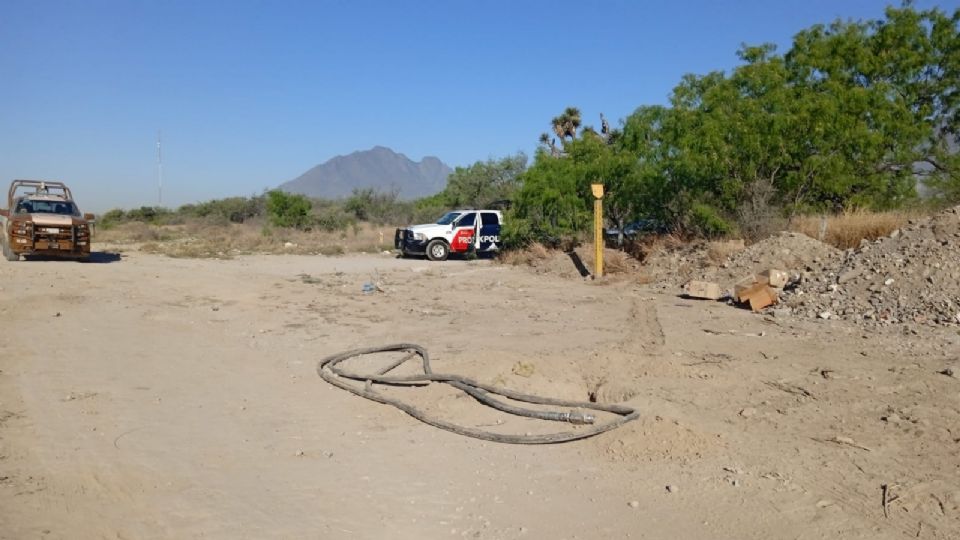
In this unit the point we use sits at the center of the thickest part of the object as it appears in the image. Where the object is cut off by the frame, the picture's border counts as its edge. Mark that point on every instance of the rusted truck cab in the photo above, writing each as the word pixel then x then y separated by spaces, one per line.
pixel 42 218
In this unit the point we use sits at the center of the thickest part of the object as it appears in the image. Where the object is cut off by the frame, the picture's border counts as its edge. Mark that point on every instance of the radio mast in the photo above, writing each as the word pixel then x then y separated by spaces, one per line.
pixel 159 172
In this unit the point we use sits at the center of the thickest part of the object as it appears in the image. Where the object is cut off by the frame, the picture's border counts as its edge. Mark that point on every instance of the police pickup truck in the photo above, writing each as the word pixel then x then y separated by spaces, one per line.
pixel 459 231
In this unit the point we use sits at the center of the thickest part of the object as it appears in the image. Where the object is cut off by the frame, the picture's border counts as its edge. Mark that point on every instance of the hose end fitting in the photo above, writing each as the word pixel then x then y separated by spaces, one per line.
pixel 579 418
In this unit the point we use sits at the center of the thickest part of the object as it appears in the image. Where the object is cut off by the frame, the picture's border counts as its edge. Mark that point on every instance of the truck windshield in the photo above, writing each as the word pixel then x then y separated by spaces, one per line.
pixel 46 207
pixel 448 218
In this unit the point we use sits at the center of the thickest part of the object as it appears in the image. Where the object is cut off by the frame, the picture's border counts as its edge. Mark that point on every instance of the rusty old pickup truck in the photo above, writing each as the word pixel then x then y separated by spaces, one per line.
pixel 42 218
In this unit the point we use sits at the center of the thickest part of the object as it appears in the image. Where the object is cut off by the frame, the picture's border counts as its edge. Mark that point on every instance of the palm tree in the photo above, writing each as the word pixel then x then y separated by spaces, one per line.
pixel 559 126
pixel 571 115
pixel 566 124
pixel 551 143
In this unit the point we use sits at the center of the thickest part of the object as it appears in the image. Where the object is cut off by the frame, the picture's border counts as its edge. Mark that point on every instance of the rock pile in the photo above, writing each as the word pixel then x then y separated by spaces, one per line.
pixel 793 252
pixel 912 276
pixel 671 266
pixel 790 251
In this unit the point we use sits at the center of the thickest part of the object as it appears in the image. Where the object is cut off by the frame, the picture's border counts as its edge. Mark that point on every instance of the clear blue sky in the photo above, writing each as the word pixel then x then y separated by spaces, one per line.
pixel 250 94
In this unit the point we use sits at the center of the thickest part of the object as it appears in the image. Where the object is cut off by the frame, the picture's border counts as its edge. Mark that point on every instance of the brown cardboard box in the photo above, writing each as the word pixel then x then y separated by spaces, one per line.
pixel 759 296
pixel 775 278
pixel 706 290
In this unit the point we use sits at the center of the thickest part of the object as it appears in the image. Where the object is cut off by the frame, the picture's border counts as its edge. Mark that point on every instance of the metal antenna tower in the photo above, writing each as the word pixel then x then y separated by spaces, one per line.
pixel 159 172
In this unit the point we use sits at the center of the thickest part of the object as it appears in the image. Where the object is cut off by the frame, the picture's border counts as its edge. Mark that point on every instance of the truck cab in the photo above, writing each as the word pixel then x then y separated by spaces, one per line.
pixel 458 231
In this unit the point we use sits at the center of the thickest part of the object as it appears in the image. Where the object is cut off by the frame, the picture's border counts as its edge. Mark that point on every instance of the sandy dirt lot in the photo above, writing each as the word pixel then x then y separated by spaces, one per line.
pixel 150 397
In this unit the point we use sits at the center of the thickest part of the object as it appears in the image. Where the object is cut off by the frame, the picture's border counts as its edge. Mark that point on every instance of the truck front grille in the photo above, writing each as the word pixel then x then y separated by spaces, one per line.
pixel 63 238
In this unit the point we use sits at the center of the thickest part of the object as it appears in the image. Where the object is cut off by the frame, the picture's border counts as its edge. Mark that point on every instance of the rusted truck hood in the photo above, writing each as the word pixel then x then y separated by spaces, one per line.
pixel 52 220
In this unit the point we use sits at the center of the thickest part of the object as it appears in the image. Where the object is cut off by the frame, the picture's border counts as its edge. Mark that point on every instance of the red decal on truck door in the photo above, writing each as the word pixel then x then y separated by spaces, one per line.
pixel 462 240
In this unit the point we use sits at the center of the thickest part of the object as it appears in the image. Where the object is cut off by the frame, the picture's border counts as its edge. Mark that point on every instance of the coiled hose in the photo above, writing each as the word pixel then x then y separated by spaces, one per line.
pixel 328 369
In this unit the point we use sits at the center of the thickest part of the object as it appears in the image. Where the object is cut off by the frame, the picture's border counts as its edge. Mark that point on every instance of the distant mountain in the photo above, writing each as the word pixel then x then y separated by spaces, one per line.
pixel 380 168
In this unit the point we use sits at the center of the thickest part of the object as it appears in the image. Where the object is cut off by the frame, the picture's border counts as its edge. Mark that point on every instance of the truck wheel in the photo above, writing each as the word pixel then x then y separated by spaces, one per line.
pixel 437 250
pixel 8 253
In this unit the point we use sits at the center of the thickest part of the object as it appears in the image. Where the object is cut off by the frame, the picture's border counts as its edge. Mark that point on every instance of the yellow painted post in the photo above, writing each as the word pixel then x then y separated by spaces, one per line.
pixel 597 190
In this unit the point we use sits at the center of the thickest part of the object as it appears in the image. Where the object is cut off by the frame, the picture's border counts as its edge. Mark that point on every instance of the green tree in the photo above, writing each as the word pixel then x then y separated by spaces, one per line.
pixel 380 207
pixel 288 209
pixel 232 209
pixel 555 201
pixel 484 182
pixel 851 116
pixel 550 206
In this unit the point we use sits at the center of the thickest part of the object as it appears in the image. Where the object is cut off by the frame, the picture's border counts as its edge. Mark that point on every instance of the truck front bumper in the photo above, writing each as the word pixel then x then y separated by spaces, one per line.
pixel 405 243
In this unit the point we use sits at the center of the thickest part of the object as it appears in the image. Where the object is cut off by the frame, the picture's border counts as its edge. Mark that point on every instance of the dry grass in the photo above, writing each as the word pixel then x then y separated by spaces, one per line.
pixel 719 251
pixel 614 261
pixel 202 239
pixel 617 262
pixel 644 247
pixel 846 230
pixel 528 256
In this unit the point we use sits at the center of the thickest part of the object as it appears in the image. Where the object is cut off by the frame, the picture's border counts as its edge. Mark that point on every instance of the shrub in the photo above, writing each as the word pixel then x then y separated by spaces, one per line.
pixel 706 221
pixel 231 209
pixel 288 210
pixel 333 218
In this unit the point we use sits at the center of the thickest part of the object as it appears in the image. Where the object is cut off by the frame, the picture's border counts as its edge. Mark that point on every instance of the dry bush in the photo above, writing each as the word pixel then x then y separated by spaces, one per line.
pixel 528 256
pixel 757 217
pixel 643 247
pixel 133 232
pixel 200 238
pixel 614 261
pixel 719 251
pixel 617 262
pixel 846 230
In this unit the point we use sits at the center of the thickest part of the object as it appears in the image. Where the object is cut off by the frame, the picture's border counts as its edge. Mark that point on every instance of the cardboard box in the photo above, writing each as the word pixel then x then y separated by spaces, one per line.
pixel 759 296
pixel 706 290
pixel 775 278
pixel 743 285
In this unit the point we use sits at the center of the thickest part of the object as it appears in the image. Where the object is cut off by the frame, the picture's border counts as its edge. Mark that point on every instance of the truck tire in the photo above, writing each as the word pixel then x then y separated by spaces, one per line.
pixel 438 250
pixel 8 253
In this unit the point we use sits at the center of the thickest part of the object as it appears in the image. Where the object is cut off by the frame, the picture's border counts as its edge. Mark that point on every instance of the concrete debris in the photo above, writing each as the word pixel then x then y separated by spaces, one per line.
pixel 706 290
pixel 911 277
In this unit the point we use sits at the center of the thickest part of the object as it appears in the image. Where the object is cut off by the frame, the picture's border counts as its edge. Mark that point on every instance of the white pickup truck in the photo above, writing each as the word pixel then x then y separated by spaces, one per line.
pixel 459 231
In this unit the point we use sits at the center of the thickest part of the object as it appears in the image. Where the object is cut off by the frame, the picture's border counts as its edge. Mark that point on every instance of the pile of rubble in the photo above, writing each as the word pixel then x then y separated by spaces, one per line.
pixel 782 257
pixel 673 264
pixel 791 251
pixel 912 276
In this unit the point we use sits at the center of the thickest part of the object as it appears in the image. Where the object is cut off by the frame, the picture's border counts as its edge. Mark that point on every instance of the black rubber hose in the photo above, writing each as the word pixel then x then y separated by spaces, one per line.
pixel 327 369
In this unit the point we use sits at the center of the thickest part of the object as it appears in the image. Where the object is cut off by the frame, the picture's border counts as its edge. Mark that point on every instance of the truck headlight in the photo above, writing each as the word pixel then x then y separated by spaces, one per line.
pixel 420 237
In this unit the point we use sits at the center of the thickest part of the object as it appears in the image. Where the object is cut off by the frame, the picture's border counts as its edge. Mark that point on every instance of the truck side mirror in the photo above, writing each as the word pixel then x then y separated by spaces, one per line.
pixel 89 217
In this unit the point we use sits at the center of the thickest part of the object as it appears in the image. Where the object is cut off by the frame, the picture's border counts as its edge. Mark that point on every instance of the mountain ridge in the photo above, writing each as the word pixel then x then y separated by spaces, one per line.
pixel 380 168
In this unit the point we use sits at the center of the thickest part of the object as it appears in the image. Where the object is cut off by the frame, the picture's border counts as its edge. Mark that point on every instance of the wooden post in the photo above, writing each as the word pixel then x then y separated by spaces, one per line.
pixel 597 190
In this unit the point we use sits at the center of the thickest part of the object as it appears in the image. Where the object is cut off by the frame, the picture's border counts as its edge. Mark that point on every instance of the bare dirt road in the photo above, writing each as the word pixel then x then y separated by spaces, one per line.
pixel 151 397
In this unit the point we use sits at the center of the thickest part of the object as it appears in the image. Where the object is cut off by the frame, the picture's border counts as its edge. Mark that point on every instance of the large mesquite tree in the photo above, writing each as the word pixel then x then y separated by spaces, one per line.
pixel 854 114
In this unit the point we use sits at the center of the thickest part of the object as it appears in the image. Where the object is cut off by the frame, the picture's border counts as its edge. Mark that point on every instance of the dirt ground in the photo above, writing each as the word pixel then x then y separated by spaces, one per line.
pixel 147 397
